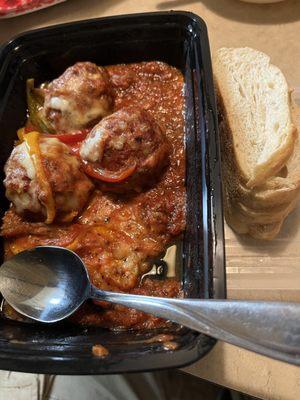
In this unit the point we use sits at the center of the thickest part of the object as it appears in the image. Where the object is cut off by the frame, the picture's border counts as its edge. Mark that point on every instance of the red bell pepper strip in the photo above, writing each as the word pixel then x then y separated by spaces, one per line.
pixel 108 176
pixel 69 138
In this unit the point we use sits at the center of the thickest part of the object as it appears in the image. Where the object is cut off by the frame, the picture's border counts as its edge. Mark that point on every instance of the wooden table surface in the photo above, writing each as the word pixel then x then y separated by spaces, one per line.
pixel 254 270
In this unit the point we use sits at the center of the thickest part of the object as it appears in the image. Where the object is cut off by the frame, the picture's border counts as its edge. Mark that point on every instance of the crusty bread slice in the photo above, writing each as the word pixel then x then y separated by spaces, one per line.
pixel 265 232
pixel 255 103
pixel 269 195
pixel 243 203
pixel 232 219
pixel 267 216
pixel 257 231
pixel 277 190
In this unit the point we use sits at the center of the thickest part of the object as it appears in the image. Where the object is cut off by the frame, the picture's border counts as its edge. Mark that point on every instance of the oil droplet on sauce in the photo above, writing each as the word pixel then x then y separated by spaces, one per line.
pixel 166 340
pixel 160 338
pixel 170 345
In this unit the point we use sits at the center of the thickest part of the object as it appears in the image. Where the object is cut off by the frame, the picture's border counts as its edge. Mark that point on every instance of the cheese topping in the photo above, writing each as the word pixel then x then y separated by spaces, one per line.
pixel 75 115
pixel 92 148
pixel 58 103
pixel 25 161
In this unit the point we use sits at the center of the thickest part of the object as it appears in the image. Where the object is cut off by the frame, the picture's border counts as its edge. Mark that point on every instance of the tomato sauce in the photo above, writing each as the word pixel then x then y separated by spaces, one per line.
pixel 117 235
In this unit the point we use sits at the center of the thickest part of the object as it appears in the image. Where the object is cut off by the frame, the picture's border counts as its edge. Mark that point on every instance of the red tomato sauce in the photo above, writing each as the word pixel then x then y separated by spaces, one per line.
pixel 117 235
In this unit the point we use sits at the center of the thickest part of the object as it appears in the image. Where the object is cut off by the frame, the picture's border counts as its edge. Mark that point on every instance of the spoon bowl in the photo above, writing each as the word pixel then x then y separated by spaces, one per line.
pixel 46 284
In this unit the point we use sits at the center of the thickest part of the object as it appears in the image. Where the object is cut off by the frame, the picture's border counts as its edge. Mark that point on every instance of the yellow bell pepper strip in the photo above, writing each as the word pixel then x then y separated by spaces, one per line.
pixel 21 133
pixel 32 142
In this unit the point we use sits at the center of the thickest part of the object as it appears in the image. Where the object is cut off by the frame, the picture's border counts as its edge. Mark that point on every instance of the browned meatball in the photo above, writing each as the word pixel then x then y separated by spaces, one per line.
pixel 79 98
pixel 59 184
pixel 127 149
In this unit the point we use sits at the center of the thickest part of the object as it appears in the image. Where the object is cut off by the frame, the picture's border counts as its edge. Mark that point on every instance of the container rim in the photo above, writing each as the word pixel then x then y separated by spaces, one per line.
pixel 49 28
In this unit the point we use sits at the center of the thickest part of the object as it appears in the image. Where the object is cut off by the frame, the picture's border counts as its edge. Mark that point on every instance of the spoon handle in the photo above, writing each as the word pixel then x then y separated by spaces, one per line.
pixel 268 328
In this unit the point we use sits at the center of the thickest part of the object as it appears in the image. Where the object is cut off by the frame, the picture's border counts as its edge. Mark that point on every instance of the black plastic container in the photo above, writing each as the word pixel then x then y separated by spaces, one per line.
pixel 180 39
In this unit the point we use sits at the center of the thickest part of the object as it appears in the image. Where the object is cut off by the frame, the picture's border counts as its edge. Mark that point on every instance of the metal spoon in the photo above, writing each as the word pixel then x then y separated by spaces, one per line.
pixel 49 283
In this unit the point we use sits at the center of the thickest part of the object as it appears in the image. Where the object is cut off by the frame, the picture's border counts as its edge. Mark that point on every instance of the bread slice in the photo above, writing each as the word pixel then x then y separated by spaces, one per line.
pixel 273 213
pixel 267 216
pixel 258 211
pixel 276 191
pixel 257 231
pixel 265 232
pixel 257 113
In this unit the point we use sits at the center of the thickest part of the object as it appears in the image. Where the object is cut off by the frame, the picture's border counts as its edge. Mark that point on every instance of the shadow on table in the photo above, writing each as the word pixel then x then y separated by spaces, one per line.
pixel 276 13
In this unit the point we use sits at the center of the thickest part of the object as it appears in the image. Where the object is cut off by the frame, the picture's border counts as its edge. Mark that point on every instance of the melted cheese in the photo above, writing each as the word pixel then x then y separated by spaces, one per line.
pixel 93 147
pixel 76 116
pixel 25 161
pixel 24 201
pixel 61 104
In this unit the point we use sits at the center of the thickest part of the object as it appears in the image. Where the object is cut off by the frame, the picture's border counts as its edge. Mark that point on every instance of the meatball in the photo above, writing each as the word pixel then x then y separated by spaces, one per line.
pixel 128 149
pixel 79 98
pixel 48 183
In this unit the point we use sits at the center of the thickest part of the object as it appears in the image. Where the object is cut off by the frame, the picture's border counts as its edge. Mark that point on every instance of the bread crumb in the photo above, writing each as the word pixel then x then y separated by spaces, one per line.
pixel 99 351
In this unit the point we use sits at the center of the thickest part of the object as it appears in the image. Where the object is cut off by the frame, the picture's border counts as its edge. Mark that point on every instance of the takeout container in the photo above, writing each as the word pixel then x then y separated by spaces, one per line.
pixel 180 39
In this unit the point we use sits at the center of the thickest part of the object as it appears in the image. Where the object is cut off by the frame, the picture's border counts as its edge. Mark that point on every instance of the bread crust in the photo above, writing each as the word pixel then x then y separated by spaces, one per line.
pixel 259 173
pixel 258 206
pixel 256 231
